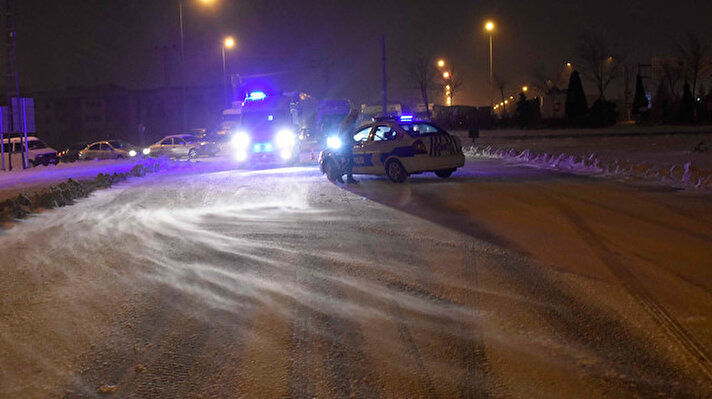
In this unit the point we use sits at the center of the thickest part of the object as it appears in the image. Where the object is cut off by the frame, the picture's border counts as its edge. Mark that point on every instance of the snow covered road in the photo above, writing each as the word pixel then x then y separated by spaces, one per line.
pixel 503 281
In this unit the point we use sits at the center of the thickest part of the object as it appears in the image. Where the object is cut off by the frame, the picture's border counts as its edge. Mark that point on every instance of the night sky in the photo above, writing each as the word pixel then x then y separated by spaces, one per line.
pixel 314 45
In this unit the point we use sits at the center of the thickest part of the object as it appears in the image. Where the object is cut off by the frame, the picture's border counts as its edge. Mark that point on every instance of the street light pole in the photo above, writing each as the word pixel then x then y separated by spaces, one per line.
pixel 229 42
pixel 489 27
pixel 182 66
pixel 224 77
pixel 491 63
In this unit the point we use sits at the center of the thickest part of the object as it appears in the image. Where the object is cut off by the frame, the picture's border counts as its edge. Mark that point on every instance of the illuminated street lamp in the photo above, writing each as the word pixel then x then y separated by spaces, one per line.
pixel 441 63
pixel 228 43
pixel 446 75
pixel 525 89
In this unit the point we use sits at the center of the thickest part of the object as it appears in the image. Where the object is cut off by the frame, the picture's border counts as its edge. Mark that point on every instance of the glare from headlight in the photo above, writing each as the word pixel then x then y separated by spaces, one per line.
pixel 132 153
pixel 146 151
pixel 286 154
pixel 333 142
pixel 285 139
pixel 241 155
pixel 240 140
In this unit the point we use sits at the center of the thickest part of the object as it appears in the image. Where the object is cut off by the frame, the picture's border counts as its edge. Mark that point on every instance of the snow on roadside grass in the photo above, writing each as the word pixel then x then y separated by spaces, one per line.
pixel 682 173
pixel 53 190
pixel 19 181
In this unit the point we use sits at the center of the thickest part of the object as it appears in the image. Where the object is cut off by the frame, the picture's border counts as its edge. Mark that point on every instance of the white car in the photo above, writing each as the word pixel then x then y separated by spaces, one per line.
pixel 39 152
pixel 396 148
pixel 181 146
pixel 108 149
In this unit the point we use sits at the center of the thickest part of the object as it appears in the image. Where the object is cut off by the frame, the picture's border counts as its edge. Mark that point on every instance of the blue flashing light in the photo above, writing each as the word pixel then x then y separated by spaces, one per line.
pixel 406 118
pixel 256 96
pixel 262 147
pixel 270 118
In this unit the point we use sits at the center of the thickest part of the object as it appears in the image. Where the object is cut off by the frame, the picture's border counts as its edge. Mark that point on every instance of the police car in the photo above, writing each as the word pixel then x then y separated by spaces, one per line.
pixel 397 148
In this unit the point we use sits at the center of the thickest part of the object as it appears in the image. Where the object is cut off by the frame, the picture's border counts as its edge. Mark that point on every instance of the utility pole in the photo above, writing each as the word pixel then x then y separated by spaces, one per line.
pixel 13 83
pixel 384 91
pixel 182 66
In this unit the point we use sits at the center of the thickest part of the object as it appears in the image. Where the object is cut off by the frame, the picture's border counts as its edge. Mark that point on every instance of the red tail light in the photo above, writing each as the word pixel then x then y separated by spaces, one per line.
pixel 419 147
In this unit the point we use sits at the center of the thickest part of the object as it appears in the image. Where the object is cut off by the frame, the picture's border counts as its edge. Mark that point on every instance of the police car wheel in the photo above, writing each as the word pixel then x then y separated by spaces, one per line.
pixel 331 170
pixel 395 171
pixel 444 173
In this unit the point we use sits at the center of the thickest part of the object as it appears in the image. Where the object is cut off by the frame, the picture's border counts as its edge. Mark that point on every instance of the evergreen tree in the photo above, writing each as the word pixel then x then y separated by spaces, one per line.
pixel 576 104
pixel 640 101
pixel 524 114
pixel 687 105
pixel 662 104
pixel 603 113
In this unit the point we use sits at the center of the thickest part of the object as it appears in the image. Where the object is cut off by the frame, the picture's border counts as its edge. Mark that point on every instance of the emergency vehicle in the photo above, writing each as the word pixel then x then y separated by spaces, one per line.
pixel 267 128
pixel 397 148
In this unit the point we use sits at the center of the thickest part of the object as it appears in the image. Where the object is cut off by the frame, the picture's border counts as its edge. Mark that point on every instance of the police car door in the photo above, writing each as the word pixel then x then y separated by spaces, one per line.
pixel 381 146
pixel 362 161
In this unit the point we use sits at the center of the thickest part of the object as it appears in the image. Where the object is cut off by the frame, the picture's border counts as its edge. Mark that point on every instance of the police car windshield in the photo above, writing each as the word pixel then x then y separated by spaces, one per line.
pixel 419 128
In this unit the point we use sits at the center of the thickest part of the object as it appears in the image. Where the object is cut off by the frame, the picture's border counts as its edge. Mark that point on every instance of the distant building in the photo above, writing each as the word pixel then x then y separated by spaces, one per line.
pixel 138 116
pixel 553 104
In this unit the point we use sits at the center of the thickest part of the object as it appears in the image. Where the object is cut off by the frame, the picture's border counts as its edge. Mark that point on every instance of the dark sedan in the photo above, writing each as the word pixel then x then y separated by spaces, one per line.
pixel 71 153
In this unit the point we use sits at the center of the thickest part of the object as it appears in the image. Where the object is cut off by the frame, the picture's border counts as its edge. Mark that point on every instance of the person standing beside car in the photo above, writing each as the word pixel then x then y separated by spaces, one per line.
pixel 347 148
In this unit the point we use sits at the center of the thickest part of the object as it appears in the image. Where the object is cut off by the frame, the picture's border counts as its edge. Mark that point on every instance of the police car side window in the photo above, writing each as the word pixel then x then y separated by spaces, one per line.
pixel 362 135
pixel 383 133
pixel 419 128
pixel 168 141
pixel 94 147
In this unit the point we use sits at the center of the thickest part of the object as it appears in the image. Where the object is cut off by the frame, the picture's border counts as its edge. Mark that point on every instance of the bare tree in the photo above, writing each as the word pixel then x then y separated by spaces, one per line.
pixel 546 80
pixel 500 83
pixel 422 74
pixel 600 63
pixel 541 80
pixel 694 57
pixel 452 82
pixel 672 78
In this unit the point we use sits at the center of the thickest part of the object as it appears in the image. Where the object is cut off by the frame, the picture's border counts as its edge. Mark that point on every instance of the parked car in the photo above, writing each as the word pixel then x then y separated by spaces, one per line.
pixel 71 153
pixel 109 149
pixel 39 152
pixel 181 146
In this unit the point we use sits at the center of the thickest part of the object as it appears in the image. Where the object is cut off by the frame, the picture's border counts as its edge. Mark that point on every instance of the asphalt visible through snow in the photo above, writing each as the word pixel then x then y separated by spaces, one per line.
pixel 501 281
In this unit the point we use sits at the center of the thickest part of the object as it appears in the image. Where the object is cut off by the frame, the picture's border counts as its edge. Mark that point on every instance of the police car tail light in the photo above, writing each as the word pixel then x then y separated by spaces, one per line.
pixel 419 147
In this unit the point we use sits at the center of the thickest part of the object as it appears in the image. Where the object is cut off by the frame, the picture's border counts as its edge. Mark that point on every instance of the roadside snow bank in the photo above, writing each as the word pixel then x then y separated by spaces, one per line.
pixel 65 193
pixel 687 173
